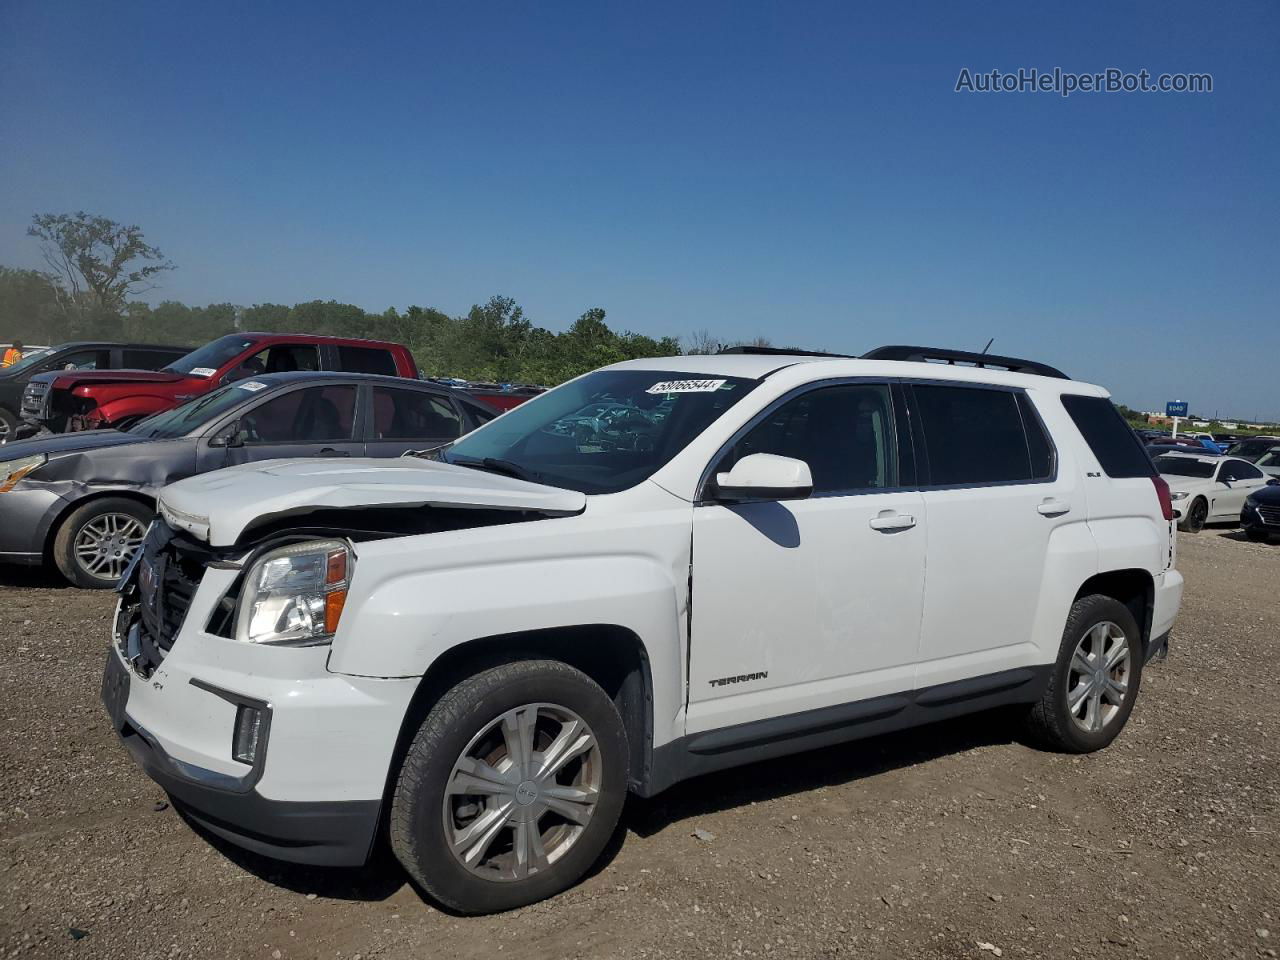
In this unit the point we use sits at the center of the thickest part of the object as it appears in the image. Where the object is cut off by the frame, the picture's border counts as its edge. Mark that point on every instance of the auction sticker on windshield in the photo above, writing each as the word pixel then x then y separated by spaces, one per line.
pixel 202 372
pixel 253 386
pixel 686 386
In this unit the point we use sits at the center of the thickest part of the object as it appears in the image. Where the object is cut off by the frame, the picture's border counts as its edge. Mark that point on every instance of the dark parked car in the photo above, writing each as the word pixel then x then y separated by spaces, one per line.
pixel 83 500
pixel 80 355
pixel 1251 448
pixel 1261 514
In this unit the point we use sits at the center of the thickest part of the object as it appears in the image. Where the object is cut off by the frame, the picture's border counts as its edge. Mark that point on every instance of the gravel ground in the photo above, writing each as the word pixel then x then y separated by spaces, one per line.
pixel 952 841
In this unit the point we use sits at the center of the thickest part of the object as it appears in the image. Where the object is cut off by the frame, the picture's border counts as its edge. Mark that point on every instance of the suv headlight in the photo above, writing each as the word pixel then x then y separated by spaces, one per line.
pixel 12 471
pixel 294 595
pixel 1179 495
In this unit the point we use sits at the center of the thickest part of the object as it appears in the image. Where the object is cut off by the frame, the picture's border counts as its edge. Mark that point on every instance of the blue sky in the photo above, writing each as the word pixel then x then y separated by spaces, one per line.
pixel 804 172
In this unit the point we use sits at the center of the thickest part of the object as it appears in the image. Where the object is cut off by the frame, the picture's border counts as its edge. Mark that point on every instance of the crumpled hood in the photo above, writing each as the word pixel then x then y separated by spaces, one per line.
pixel 217 507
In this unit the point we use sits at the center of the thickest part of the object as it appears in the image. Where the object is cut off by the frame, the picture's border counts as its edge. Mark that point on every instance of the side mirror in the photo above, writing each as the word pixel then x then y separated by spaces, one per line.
pixel 230 437
pixel 765 476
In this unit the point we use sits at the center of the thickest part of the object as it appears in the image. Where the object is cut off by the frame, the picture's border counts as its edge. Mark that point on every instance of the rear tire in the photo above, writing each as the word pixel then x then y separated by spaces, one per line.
pixel 1196 516
pixel 1094 682
pixel 483 816
pixel 96 542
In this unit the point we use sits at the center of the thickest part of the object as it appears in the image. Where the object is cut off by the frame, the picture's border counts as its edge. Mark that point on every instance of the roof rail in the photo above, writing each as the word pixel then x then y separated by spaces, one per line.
pixel 943 355
pixel 782 352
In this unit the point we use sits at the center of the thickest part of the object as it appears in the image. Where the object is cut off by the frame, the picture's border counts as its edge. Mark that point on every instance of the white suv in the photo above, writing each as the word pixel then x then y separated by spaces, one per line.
pixel 478 654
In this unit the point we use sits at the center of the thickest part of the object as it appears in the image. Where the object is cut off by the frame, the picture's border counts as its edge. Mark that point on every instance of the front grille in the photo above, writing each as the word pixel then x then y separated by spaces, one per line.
pixel 159 592
pixel 35 399
pixel 1270 515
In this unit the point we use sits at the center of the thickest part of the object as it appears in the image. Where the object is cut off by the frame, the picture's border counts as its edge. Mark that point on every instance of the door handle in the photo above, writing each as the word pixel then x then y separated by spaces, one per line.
pixel 331 452
pixel 889 521
pixel 1053 508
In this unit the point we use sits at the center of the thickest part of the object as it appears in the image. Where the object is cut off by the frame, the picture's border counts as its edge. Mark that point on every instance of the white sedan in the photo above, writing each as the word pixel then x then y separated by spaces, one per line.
pixel 1208 489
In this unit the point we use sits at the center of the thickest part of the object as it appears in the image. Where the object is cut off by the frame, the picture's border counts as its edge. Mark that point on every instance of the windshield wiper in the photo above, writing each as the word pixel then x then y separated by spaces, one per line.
pixel 495 465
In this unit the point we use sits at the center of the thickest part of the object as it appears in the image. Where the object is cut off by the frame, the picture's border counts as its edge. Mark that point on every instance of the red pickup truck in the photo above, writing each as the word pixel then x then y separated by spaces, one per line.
pixel 89 399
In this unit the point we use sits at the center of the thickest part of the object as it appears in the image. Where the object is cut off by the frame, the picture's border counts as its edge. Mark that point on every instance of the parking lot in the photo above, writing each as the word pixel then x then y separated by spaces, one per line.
pixel 945 842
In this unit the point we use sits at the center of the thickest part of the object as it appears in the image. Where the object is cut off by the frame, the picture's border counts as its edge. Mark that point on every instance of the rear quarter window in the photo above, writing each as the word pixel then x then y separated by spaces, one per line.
pixel 1113 442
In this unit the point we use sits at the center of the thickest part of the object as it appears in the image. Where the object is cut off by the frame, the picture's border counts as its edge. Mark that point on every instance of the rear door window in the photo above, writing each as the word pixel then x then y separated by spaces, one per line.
pixel 136 359
pixel 1113 442
pixel 366 360
pixel 975 435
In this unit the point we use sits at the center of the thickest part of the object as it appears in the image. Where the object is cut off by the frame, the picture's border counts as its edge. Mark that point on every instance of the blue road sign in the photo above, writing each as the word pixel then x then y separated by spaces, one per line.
pixel 1176 408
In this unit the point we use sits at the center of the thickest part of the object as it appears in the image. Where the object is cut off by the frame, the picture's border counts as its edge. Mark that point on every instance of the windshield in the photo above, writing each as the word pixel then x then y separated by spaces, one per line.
pixel 1271 458
pixel 30 358
pixel 206 361
pixel 195 413
pixel 1184 467
pixel 603 432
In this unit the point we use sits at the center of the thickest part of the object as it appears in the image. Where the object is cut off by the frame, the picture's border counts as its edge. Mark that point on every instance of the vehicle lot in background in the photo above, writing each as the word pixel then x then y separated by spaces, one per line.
pixel 86 504
pixel 920 844
pixel 1208 489
pixel 78 355
pixel 96 398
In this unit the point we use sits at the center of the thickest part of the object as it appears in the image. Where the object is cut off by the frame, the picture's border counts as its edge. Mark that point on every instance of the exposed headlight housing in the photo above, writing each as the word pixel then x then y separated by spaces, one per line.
pixel 1179 495
pixel 11 471
pixel 294 595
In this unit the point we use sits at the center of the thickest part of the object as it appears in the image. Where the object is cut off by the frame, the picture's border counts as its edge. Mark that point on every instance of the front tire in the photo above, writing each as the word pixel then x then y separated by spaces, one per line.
pixel 96 542
pixel 511 788
pixel 1196 516
pixel 8 424
pixel 1095 680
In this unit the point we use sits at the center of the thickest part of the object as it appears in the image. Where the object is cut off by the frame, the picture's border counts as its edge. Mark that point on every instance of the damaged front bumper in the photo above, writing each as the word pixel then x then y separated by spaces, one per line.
pixel 310 790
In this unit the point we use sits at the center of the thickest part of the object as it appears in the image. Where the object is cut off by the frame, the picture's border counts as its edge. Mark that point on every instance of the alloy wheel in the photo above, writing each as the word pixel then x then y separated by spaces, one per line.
pixel 104 546
pixel 522 792
pixel 1098 678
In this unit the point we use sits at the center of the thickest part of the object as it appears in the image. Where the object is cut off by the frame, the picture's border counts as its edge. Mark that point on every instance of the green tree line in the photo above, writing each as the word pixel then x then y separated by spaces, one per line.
pixel 494 340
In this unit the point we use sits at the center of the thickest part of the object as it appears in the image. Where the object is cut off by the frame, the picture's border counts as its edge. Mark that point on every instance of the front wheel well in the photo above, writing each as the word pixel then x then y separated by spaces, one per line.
pixel 70 508
pixel 611 655
pixel 1134 588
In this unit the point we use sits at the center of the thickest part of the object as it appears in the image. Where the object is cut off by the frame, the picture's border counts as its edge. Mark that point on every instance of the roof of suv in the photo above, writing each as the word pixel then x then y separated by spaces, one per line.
pixel 757 367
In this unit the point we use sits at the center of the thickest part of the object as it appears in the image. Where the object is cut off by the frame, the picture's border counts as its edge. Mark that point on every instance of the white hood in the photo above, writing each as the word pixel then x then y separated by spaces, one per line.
pixel 218 506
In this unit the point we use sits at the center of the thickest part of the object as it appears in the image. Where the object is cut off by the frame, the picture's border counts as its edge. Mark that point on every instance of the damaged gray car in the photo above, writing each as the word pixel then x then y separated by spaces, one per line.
pixel 82 501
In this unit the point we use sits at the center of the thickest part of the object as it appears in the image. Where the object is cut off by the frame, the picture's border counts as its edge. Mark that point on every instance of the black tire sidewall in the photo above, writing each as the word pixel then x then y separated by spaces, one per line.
pixel 64 542
pixel 487 696
pixel 1086 613
pixel 1194 524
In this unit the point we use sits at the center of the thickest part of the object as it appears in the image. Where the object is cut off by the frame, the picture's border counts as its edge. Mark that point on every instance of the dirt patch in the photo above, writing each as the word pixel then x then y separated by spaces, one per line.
pixel 953 841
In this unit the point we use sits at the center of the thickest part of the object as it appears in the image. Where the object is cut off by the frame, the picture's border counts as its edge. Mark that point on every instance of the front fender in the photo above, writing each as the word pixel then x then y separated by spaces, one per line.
pixel 130 408
pixel 398 625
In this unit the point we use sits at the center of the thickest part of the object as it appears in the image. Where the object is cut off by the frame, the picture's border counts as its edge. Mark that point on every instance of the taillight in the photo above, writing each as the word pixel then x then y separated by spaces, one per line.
pixel 1162 491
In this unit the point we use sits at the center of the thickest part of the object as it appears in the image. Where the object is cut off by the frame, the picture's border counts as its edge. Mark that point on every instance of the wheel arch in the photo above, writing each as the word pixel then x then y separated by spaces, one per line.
pixel 1134 587
pixel 613 656
pixel 55 525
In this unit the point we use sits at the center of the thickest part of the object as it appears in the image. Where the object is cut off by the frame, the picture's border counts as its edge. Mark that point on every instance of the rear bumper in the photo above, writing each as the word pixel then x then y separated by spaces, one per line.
pixel 1167 600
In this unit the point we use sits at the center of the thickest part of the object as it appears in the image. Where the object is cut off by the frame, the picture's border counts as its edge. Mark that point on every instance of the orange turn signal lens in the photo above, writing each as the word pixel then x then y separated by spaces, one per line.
pixel 334 601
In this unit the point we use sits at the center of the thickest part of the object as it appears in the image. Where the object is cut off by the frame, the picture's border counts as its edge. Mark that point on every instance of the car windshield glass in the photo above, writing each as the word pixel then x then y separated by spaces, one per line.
pixel 195 413
pixel 1184 467
pixel 1271 458
pixel 29 359
pixel 603 432
pixel 206 361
